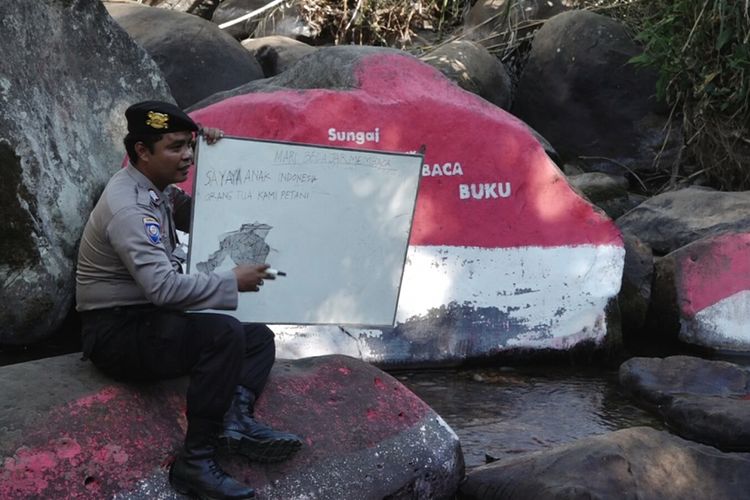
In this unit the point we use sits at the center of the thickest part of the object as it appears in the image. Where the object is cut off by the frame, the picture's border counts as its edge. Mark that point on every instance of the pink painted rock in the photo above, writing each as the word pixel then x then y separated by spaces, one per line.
pixel 711 289
pixel 504 256
pixel 68 432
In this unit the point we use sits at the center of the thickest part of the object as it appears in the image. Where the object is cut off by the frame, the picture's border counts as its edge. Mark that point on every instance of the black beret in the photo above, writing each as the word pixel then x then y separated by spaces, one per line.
pixel 157 117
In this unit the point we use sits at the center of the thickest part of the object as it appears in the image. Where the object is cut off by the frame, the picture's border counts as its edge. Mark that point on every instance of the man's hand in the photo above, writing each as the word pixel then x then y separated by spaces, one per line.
pixel 250 276
pixel 212 135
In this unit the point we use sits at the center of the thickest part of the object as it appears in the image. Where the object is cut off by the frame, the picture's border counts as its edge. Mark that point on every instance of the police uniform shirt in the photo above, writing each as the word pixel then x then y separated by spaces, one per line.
pixel 127 253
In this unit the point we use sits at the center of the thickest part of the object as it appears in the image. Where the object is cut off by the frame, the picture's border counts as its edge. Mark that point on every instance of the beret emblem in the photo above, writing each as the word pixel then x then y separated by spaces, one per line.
pixel 157 120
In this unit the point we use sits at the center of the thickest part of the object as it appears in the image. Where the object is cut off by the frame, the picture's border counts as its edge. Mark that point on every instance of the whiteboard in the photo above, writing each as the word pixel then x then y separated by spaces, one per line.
pixel 336 221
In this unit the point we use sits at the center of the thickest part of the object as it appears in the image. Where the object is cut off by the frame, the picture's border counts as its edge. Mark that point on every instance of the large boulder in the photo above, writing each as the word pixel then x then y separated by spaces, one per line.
pixel 673 219
pixel 704 293
pixel 639 462
pixel 61 132
pixel 504 257
pixel 702 400
pixel 578 90
pixel 197 58
pixel 71 433
pixel 474 69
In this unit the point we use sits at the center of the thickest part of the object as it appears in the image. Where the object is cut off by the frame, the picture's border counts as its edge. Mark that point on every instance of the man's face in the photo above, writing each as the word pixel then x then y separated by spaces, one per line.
pixel 169 162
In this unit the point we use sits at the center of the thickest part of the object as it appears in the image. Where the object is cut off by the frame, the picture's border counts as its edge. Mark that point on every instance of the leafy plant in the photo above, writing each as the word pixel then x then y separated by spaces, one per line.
pixel 701 49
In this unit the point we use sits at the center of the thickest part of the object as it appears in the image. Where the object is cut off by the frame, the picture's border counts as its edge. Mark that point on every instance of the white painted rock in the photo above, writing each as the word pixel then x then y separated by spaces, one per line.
pixel 503 254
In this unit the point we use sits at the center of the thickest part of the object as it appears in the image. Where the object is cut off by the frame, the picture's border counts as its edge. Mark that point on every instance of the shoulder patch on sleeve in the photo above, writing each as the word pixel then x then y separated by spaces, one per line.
pixel 153 230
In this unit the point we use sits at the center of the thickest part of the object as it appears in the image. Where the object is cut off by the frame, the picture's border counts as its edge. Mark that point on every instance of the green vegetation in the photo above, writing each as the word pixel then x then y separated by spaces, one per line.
pixel 701 49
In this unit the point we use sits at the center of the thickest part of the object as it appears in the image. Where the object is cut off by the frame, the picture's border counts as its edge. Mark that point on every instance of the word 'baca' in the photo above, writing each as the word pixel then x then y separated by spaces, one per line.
pixel 356 136
pixel 437 169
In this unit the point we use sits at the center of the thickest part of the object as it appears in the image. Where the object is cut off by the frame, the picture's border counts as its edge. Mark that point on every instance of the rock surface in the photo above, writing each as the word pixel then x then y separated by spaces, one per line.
pixel 635 294
pixel 276 54
pixel 706 401
pixel 197 58
pixel 503 255
pixel 474 69
pixel 578 90
pixel 77 434
pixel 633 463
pixel 671 220
pixel 705 289
pixel 61 132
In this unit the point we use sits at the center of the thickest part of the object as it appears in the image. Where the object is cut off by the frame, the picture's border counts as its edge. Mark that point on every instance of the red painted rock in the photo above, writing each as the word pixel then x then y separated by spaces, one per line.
pixel 712 287
pixel 68 432
pixel 503 254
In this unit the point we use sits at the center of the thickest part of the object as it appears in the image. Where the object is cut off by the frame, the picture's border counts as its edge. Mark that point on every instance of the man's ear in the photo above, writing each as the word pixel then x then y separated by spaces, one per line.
pixel 141 151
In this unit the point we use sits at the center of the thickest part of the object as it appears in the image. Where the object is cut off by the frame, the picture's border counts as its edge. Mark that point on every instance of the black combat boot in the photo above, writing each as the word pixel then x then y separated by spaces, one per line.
pixel 195 472
pixel 246 436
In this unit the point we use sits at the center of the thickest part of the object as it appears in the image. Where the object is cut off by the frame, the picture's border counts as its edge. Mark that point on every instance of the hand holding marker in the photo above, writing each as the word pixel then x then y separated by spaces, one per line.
pixel 275 272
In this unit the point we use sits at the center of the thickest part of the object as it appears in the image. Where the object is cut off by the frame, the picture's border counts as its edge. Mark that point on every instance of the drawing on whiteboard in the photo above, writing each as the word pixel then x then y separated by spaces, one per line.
pixel 246 245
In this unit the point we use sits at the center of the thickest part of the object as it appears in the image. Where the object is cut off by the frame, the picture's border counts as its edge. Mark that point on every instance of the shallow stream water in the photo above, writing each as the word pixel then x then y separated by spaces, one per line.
pixel 505 411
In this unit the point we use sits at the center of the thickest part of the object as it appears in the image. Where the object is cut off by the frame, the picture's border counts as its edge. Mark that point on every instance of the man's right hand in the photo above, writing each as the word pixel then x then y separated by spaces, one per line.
pixel 250 276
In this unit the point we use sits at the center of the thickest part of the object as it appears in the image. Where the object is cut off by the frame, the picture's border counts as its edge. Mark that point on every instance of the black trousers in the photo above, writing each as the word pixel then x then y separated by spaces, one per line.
pixel 147 343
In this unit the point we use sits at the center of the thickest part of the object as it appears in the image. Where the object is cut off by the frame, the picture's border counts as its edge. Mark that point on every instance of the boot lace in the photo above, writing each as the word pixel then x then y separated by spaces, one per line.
pixel 215 470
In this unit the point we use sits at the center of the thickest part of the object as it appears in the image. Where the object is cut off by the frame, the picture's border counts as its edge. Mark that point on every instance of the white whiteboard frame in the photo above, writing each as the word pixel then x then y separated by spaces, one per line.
pixel 378 204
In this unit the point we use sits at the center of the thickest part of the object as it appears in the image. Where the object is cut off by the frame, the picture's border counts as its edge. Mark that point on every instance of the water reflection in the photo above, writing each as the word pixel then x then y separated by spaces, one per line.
pixel 503 411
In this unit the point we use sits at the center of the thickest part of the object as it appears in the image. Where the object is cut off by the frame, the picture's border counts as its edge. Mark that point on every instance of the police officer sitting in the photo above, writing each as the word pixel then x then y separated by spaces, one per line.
pixel 132 297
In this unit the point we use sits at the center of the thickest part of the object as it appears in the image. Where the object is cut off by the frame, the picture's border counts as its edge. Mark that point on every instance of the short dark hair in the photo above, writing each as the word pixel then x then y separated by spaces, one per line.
pixel 148 140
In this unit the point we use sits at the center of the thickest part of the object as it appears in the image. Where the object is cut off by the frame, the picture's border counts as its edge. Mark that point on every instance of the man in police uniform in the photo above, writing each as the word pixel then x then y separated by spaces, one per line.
pixel 132 295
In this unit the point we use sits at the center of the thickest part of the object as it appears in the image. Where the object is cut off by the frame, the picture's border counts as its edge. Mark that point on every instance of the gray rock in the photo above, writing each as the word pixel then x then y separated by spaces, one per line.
pixel 607 191
pixel 656 381
pixel 718 421
pixel 705 401
pixel 578 90
pixel 61 129
pixel 197 58
pixel 599 186
pixel 635 293
pixel 366 436
pixel 671 220
pixel 474 69
pixel 277 53
pixel 633 463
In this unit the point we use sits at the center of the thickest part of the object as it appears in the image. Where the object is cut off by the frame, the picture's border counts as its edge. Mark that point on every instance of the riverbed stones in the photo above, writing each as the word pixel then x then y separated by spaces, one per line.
pixel 197 58
pixel 61 132
pixel 705 290
pixel 504 257
pixel 581 93
pixel 639 462
pixel 702 400
pixel 673 219
pixel 70 432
